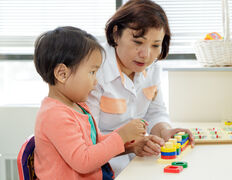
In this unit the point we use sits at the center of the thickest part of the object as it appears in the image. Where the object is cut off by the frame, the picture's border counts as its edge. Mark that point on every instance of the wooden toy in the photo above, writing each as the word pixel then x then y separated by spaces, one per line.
pixel 173 169
pixel 173 149
pixel 228 123
pixel 212 135
pixel 180 163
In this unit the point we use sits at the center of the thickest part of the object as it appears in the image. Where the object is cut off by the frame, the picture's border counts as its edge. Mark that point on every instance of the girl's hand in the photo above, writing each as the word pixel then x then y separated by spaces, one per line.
pixel 168 133
pixel 147 146
pixel 133 130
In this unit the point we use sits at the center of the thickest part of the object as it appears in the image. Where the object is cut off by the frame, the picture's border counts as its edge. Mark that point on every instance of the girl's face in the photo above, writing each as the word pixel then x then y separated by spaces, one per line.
pixel 135 54
pixel 83 80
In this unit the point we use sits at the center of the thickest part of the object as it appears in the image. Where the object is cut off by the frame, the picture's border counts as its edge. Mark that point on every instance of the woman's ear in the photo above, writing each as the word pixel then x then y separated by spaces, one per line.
pixel 61 73
pixel 115 29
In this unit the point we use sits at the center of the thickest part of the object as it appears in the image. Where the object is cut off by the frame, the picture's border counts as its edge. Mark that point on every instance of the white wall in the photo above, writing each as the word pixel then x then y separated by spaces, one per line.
pixel 16 124
pixel 200 96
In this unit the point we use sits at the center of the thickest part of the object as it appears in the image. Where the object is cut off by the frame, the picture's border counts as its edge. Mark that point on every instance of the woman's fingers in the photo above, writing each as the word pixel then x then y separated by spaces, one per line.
pixel 191 138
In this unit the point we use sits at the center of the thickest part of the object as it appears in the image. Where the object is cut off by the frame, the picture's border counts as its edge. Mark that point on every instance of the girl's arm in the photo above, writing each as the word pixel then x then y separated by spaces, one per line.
pixel 69 138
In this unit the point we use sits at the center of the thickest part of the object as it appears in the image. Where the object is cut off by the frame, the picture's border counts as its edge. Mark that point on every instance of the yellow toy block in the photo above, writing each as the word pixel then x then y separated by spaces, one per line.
pixel 169 145
pixel 228 123
pixel 181 133
pixel 178 137
pixel 173 140
pixel 164 149
pixel 168 161
pixel 183 145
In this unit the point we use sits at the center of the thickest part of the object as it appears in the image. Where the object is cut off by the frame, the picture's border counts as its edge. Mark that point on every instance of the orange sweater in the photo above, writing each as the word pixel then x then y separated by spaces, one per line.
pixel 63 146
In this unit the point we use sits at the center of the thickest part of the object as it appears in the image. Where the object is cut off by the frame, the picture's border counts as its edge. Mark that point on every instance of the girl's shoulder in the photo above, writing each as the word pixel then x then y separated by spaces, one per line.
pixel 85 106
pixel 53 107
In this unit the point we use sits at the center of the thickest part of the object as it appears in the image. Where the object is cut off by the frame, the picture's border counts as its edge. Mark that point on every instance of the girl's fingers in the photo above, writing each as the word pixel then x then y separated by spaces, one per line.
pixel 145 122
pixel 142 122
pixel 141 130
pixel 142 134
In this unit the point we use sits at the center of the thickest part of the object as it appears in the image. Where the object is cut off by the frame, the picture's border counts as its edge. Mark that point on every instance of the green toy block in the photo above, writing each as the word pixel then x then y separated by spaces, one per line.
pixel 180 163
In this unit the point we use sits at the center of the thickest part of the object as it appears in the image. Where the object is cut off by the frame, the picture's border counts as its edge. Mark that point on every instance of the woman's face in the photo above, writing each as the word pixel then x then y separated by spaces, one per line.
pixel 136 53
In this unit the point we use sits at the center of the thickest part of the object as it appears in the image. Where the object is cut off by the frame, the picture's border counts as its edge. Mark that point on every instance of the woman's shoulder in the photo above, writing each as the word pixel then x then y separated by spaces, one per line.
pixel 109 53
pixel 107 47
pixel 108 66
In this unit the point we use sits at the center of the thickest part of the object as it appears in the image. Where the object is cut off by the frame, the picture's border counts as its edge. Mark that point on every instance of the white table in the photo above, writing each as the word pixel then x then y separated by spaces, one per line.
pixel 205 162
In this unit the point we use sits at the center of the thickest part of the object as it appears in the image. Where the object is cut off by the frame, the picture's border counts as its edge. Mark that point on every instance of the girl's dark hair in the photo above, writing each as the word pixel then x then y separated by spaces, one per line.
pixel 64 45
pixel 139 15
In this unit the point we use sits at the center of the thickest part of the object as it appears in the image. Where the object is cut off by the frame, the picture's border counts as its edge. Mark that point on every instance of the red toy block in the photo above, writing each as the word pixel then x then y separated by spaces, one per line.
pixel 168 157
pixel 173 169
pixel 182 149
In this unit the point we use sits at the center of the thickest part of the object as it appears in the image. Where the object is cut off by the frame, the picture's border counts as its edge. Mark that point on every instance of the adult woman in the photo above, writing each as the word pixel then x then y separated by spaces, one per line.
pixel 128 87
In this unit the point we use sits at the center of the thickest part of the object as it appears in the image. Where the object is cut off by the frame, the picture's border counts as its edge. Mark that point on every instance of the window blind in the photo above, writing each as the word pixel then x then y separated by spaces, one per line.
pixel 21 21
pixel 191 20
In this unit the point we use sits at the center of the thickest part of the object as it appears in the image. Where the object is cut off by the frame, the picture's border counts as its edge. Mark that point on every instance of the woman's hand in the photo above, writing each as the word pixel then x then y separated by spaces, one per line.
pixel 146 146
pixel 169 133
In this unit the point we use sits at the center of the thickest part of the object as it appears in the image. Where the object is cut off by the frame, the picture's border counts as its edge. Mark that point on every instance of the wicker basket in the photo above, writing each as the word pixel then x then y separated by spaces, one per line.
pixel 216 52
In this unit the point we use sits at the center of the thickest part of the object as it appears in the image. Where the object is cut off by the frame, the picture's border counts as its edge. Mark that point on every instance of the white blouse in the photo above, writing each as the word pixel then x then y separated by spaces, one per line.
pixel 117 99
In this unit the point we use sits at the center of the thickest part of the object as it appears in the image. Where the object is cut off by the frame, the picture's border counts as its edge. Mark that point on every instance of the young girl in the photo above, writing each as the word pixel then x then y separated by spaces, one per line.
pixel 68 144
pixel 138 36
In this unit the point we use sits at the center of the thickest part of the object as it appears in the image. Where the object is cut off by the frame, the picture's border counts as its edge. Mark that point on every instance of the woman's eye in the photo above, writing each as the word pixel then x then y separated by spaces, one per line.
pixel 137 42
pixel 92 72
pixel 156 46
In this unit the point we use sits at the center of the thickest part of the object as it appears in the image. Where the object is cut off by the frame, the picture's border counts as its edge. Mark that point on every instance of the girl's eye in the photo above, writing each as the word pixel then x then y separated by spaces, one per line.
pixel 137 42
pixel 92 72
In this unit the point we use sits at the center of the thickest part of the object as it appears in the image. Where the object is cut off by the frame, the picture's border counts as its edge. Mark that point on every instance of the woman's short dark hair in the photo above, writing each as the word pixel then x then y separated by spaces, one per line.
pixel 139 15
pixel 64 45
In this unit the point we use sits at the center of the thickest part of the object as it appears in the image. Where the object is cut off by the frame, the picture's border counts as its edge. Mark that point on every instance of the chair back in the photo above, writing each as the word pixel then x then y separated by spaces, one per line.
pixel 25 160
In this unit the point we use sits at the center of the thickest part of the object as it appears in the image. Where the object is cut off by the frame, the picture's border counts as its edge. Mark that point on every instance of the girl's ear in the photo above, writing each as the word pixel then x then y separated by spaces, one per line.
pixel 62 73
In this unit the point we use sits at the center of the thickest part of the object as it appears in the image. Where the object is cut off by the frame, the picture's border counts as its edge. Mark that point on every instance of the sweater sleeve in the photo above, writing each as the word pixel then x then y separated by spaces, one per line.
pixel 66 134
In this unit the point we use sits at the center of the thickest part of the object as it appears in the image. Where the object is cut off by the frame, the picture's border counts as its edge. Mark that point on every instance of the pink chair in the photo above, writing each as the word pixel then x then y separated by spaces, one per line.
pixel 25 160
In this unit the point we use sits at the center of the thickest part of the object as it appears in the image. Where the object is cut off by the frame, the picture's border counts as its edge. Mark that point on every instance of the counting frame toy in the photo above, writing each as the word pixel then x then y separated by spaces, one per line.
pixel 177 146
pixel 212 135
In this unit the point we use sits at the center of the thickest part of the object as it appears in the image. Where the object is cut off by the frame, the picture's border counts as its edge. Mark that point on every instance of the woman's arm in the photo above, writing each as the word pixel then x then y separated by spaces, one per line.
pixel 157 114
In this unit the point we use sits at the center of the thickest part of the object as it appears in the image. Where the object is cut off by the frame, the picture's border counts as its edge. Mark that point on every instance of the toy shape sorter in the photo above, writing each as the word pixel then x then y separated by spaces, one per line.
pixel 172 149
